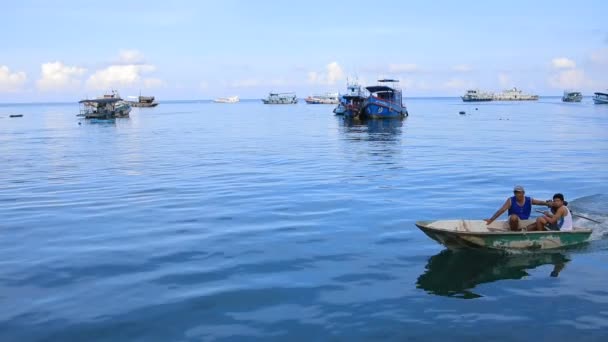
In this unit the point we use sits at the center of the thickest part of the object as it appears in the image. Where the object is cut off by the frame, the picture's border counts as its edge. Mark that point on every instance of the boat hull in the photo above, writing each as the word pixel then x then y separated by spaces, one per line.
pixel 466 99
pixel 340 109
pixel 142 105
pixel 499 239
pixel 281 102
pixel 600 100
pixel 326 102
pixel 378 109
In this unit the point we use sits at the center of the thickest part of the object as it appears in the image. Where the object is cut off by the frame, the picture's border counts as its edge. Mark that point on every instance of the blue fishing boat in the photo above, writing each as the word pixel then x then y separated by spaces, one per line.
pixel 384 102
pixel 351 102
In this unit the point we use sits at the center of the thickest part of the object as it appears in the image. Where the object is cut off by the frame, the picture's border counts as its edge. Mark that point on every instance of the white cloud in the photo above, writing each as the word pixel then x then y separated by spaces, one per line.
pixel 402 68
pixel 128 70
pixel 11 82
pixel 505 80
pixel 119 75
pixel 130 57
pixel 563 63
pixel 462 68
pixel 570 79
pixel 57 76
pixel 333 73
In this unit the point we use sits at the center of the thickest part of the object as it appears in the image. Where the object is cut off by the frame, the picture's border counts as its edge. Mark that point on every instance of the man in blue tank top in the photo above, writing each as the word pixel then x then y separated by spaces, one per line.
pixel 519 207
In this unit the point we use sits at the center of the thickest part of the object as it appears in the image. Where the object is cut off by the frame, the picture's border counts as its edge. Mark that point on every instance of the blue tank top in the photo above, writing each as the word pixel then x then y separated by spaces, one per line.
pixel 523 212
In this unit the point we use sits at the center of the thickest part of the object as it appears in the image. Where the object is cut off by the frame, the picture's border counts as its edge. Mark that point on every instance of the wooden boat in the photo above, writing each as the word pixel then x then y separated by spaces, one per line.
pixel 476 234
pixel 351 103
pixel 104 108
pixel 328 98
pixel 384 102
pixel 143 101
pixel 600 98
pixel 572 96
pixel 281 98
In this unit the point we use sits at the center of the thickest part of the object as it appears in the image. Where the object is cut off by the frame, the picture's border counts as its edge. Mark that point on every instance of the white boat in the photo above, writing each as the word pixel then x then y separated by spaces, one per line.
pixel 600 98
pixel 328 98
pixel 475 95
pixel 572 96
pixel 281 98
pixel 231 99
pixel 514 94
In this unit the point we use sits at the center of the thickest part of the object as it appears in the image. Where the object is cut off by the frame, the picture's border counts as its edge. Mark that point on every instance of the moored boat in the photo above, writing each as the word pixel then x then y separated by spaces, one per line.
pixel 600 98
pixel 351 102
pixel 328 98
pixel 231 99
pixel 384 102
pixel 572 96
pixel 476 234
pixel 104 108
pixel 476 95
pixel 143 101
pixel 281 98
pixel 514 94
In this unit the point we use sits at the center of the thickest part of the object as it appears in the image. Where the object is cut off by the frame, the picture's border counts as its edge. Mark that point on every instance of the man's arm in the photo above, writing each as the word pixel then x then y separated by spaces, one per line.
pixel 558 214
pixel 499 212
pixel 534 201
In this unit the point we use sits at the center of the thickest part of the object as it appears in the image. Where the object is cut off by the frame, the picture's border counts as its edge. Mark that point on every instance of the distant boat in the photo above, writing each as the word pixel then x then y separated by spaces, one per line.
pixel 143 101
pixel 352 101
pixel 572 96
pixel 514 94
pixel 232 99
pixel 281 98
pixel 328 98
pixel 475 95
pixel 384 102
pixel 600 98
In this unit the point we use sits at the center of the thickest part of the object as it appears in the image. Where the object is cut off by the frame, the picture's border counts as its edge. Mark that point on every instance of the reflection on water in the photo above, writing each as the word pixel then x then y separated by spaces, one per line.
pixel 456 273
pixel 377 130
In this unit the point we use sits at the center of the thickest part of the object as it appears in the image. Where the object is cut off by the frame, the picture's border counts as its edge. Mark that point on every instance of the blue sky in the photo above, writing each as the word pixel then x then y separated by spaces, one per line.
pixel 66 50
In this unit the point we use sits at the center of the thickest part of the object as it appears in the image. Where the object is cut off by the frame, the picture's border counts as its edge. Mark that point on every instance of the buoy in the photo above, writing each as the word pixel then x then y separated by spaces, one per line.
pixel 462 112
pixel 476 108
pixel 16 115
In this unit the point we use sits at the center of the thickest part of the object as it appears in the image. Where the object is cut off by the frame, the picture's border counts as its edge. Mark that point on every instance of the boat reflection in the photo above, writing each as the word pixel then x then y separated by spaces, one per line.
pixel 456 273
pixel 373 130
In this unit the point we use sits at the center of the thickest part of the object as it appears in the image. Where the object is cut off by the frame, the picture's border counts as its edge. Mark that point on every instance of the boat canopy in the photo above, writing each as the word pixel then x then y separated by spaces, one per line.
pixel 288 93
pixel 376 89
pixel 599 93
pixel 102 101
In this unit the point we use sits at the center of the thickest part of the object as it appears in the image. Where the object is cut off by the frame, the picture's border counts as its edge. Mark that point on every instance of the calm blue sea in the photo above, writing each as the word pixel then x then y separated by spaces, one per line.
pixel 196 221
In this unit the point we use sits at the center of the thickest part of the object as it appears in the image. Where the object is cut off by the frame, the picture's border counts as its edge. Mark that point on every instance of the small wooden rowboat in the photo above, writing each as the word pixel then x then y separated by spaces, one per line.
pixel 457 234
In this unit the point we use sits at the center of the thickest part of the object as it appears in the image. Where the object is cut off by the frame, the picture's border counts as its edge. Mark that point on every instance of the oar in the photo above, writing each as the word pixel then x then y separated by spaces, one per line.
pixel 573 214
